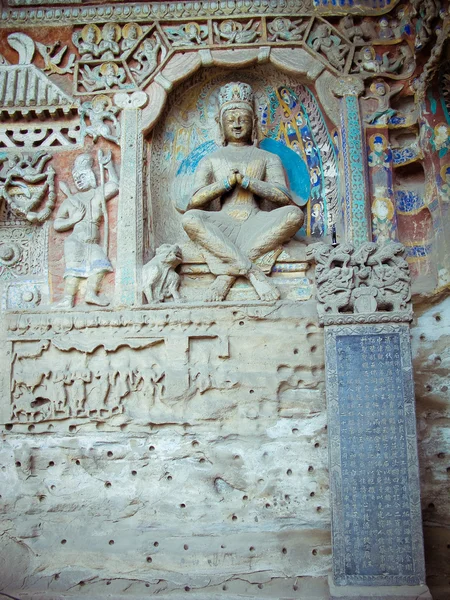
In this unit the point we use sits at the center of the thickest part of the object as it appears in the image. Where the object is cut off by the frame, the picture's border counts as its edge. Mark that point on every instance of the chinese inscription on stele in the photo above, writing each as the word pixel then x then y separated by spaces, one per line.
pixel 372 423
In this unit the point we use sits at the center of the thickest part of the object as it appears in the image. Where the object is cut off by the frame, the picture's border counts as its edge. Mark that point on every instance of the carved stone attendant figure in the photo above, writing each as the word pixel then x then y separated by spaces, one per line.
pixel 240 175
pixel 382 93
pixel 109 48
pixel 131 32
pixel 147 57
pixel 103 120
pixel 82 211
pixel 87 41
pixel 322 40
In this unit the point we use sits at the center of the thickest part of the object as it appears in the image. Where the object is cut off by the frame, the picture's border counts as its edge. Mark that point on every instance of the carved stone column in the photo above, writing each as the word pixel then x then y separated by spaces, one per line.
pixel 130 213
pixel 356 204
pixel 364 303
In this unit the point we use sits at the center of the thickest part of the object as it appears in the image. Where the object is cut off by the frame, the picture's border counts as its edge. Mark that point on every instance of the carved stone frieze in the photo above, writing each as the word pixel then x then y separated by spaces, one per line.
pixel 40 135
pixel 190 34
pixel 55 57
pixel 124 366
pixel 382 93
pixel 23 262
pixel 363 285
pixel 51 382
pixel 284 29
pixel 102 77
pixel 357 31
pixel 181 10
pixel 149 54
pixel 23 251
pixel 129 55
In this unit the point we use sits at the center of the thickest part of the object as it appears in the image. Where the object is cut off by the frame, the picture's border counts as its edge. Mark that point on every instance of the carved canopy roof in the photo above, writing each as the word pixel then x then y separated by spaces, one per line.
pixel 26 89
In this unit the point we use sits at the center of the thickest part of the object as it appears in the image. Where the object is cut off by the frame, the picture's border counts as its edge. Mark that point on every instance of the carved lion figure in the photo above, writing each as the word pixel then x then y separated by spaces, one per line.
pixel 159 278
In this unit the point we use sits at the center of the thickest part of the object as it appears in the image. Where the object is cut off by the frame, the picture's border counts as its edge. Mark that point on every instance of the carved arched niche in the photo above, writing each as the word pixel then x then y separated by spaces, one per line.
pixel 292 114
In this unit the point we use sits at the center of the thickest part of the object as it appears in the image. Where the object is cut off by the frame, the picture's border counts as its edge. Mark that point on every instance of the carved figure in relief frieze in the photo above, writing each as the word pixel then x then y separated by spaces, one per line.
pixel 234 32
pixel 190 34
pixel 382 93
pixel 160 280
pixel 239 176
pixel 381 154
pixel 77 380
pixel 52 60
pixel 323 40
pixel 445 179
pixel 103 121
pixel 426 11
pixel 58 388
pixel 357 33
pixel 82 211
pixel 103 77
pixel 130 34
pixel 286 30
pixel 109 47
pixel 368 61
pixel 147 57
pixel 87 41
pixel 97 395
pixel 385 30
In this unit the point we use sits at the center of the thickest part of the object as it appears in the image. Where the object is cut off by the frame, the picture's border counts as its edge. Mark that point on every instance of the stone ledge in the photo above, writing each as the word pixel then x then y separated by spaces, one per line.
pixel 359 592
pixel 361 318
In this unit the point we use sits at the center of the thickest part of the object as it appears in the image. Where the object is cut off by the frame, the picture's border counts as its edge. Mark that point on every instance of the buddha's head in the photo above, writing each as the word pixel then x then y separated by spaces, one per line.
pixel 236 115
pixel 90 36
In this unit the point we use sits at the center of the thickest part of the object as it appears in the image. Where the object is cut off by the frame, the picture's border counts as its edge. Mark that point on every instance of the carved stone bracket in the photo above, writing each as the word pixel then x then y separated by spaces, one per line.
pixel 370 284
pixel 348 86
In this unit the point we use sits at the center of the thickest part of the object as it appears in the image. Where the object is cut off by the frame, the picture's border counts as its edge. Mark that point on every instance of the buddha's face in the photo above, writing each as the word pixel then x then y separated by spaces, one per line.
pixel 90 35
pixel 237 125
pixel 109 34
pixel 109 70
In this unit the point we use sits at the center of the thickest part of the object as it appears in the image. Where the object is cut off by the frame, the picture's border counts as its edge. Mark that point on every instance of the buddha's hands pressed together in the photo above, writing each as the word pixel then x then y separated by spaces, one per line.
pixel 235 178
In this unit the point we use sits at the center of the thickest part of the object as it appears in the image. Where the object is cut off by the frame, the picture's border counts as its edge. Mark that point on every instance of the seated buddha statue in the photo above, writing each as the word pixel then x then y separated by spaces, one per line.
pixel 241 177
